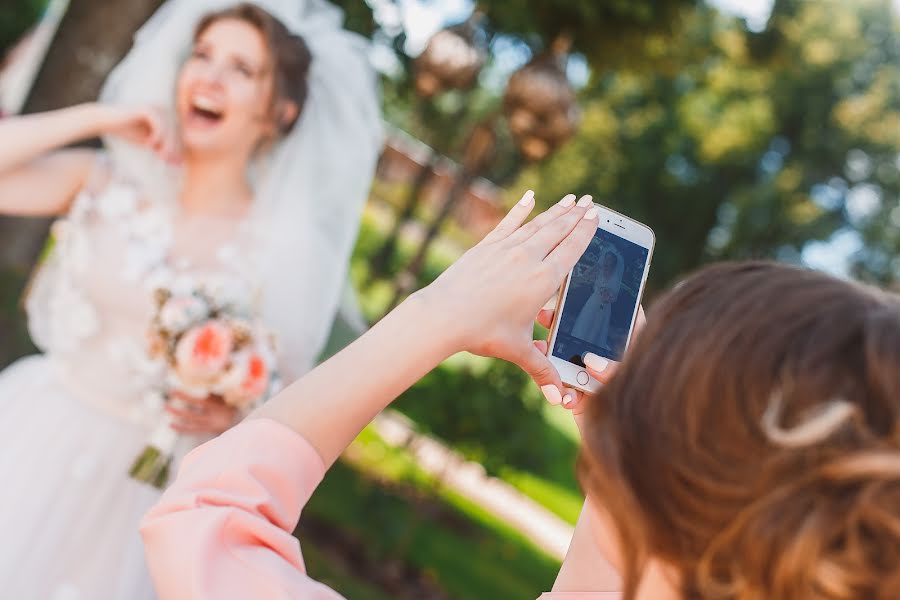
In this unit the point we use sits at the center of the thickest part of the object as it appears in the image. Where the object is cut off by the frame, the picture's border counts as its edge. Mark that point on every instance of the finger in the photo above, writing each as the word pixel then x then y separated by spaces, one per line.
pixel 199 421
pixel 183 414
pixel 185 398
pixel 554 212
pixel 576 400
pixel 601 369
pixel 191 429
pixel 567 252
pixel 552 234
pixel 541 345
pixel 545 317
pixel 544 374
pixel 150 121
pixel 513 219
pixel 172 152
pixel 640 321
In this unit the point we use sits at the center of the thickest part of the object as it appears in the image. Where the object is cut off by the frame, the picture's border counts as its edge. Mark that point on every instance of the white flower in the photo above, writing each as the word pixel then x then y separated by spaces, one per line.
pixel 227 294
pixel 180 312
pixel 158 278
pixel 75 318
pixel 118 201
pixel 182 285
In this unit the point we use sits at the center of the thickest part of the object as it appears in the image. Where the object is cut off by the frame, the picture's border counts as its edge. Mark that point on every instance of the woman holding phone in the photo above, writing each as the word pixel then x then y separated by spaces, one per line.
pixel 748 448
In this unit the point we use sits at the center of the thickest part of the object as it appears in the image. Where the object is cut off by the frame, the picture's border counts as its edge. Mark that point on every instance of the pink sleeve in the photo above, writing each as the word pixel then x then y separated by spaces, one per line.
pixel 223 529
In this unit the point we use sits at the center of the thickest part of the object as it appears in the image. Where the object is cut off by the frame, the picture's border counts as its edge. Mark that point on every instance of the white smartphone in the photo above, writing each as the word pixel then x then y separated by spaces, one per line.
pixel 599 301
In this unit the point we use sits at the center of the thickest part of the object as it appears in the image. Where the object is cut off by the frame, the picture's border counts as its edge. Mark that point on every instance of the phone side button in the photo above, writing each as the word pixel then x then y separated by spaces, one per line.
pixel 582 378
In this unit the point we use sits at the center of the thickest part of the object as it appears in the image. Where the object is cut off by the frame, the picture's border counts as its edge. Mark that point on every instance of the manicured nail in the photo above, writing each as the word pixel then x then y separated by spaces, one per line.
pixel 585 201
pixel 568 200
pixel 591 213
pixel 568 400
pixel 551 393
pixel 527 199
pixel 595 363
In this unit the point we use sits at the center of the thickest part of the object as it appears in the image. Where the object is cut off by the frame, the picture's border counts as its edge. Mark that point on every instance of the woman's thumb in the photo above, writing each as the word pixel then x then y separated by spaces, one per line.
pixel 538 365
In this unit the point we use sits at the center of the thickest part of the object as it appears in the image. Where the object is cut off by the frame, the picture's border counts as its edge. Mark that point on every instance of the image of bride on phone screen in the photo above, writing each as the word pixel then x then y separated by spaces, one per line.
pixel 593 320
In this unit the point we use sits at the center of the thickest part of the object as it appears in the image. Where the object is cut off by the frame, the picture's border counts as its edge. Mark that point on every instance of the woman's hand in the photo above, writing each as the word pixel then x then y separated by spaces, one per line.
pixel 147 127
pixel 485 303
pixel 599 368
pixel 488 299
pixel 200 416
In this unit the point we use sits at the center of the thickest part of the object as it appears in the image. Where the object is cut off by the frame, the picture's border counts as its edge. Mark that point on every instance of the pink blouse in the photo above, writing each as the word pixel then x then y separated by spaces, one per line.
pixel 223 529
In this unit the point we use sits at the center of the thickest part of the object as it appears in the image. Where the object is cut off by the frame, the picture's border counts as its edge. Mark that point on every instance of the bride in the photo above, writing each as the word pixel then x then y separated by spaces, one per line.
pixel 260 184
pixel 592 324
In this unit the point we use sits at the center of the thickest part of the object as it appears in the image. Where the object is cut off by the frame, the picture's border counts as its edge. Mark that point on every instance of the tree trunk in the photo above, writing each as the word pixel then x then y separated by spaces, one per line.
pixel 92 37
pixel 405 283
pixel 381 260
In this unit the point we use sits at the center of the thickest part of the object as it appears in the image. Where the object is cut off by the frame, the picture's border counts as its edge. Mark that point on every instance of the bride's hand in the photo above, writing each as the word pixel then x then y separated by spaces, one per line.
pixel 148 127
pixel 599 368
pixel 487 301
pixel 200 416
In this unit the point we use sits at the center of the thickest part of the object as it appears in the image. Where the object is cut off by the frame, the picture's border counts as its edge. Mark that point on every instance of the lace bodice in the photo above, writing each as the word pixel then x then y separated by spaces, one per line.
pixel 92 301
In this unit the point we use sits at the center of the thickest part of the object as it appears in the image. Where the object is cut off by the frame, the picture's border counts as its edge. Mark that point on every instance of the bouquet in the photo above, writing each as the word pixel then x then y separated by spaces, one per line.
pixel 206 346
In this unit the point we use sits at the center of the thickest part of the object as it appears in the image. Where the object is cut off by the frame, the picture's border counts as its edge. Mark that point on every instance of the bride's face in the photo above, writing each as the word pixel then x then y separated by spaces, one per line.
pixel 224 91
pixel 609 264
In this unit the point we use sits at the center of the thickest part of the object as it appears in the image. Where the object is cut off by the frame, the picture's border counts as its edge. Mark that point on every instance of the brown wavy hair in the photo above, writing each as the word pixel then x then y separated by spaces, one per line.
pixel 751 439
pixel 290 56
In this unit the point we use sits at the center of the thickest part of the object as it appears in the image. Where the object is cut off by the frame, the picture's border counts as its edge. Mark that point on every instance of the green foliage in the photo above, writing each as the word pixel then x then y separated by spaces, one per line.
pixel 358 16
pixel 16 16
pixel 735 156
pixel 492 413
pixel 12 321
pixel 607 32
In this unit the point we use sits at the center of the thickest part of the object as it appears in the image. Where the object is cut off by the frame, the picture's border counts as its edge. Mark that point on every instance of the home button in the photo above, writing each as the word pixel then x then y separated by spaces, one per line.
pixel 582 378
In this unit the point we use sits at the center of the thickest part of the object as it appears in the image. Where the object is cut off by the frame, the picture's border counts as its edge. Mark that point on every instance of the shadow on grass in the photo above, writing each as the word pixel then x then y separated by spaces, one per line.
pixel 397 528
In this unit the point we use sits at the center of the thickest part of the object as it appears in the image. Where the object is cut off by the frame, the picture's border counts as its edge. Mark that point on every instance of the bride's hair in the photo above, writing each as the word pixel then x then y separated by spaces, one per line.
pixel 289 53
pixel 751 439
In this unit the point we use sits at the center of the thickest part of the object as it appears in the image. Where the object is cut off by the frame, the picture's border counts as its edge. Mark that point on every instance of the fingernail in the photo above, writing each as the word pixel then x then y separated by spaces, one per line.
pixel 568 400
pixel 591 213
pixel 568 200
pixel 551 393
pixel 595 363
pixel 527 198
pixel 585 201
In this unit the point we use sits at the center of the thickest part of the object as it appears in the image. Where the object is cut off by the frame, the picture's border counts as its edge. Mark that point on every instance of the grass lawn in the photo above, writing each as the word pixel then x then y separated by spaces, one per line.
pixel 395 512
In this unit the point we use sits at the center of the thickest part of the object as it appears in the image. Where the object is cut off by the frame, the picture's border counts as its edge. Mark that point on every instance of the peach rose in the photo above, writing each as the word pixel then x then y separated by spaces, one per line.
pixel 202 353
pixel 249 379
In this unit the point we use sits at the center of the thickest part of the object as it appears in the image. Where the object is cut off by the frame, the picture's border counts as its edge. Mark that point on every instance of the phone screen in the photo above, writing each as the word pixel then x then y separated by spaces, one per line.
pixel 603 292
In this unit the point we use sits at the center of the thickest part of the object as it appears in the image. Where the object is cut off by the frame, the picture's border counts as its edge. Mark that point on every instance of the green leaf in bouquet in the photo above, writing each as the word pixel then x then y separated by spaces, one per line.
pixel 152 467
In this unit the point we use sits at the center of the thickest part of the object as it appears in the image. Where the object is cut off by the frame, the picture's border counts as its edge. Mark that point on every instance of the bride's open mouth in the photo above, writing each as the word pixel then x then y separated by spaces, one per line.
pixel 205 112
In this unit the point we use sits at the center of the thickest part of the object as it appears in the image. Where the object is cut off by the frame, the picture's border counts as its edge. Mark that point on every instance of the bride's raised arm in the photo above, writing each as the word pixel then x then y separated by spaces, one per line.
pixel 223 529
pixel 40 178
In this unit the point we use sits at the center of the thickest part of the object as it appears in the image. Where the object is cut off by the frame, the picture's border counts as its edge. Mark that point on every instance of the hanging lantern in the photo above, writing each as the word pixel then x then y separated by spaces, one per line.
pixel 540 105
pixel 452 59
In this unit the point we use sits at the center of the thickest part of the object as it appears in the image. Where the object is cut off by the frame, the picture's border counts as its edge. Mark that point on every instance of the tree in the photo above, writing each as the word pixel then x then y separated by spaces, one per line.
pixel 91 39
pixel 755 145
pixel 15 19
pixel 606 33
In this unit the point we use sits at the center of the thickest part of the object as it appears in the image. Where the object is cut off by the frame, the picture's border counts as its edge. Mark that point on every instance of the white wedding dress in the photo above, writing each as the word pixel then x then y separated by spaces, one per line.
pixel 592 323
pixel 73 419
